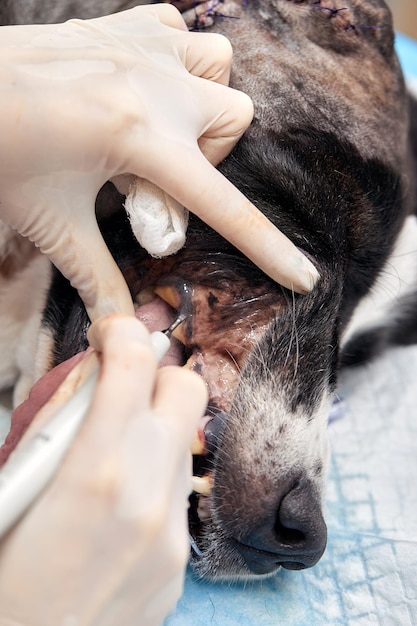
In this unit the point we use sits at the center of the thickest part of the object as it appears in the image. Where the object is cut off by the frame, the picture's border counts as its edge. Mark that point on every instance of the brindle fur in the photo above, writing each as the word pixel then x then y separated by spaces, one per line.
pixel 327 159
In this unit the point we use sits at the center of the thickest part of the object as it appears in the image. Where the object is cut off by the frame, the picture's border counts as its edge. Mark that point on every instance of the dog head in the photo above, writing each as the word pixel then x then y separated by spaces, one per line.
pixel 323 160
pixel 325 81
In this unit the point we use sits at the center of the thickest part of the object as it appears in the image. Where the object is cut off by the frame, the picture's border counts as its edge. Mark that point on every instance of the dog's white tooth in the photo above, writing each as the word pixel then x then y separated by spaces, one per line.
pixel 145 296
pixel 179 333
pixel 202 484
pixel 169 294
pixel 203 509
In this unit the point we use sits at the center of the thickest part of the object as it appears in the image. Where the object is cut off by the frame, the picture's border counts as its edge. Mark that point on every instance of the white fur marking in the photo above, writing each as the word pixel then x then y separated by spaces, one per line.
pixel 398 278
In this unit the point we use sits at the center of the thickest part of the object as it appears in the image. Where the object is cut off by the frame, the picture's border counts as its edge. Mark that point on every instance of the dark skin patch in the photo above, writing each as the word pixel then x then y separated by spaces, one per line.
pixel 212 300
pixel 18 253
pixel 318 470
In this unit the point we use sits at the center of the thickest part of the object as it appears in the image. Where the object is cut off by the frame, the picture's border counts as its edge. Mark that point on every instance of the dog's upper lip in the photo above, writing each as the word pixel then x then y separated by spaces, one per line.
pixel 263 562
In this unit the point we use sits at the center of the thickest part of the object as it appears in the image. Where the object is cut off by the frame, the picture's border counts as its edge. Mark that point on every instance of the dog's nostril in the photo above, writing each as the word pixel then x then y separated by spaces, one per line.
pixel 300 526
pixel 289 536
pixel 294 537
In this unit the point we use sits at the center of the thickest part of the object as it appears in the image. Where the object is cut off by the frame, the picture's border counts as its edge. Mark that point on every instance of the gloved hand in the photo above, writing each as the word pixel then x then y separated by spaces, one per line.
pixel 106 543
pixel 83 102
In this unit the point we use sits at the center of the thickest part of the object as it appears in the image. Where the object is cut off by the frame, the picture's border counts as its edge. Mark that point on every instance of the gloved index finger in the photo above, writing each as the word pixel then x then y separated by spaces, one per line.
pixel 208 55
pixel 164 12
pixel 215 200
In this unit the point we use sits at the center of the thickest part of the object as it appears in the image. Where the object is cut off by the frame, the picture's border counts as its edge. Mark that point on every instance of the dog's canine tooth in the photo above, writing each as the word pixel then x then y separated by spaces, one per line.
pixel 179 333
pixel 169 294
pixel 202 484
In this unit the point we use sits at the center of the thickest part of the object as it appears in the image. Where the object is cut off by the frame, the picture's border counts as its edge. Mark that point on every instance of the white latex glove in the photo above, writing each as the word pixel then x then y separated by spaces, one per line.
pixel 85 101
pixel 106 544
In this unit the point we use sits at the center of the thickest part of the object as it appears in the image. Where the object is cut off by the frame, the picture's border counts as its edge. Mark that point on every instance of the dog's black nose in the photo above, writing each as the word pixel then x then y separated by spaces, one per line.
pixel 295 537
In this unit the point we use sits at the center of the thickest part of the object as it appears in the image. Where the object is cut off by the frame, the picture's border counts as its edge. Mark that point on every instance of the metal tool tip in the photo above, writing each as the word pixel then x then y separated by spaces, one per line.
pixel 179 320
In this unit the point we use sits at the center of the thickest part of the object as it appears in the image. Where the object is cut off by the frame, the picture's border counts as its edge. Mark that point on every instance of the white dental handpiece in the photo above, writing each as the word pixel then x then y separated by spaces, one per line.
pixel 31 467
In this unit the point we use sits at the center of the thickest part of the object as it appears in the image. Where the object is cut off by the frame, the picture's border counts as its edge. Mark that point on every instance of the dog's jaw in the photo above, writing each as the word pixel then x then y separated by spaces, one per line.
pixel 281 468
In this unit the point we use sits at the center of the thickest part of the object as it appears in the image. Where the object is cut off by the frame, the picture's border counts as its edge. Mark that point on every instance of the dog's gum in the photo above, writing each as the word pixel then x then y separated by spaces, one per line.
pixel 198 443
pixel 204 508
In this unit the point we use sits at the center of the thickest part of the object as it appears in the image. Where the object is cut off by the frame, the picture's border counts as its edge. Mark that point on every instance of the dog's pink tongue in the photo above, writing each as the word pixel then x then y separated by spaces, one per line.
pixel 39 395
pixel 156 315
